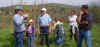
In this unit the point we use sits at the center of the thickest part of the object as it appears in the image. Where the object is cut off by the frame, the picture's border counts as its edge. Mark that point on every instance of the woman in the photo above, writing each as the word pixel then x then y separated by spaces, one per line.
pixel 73 27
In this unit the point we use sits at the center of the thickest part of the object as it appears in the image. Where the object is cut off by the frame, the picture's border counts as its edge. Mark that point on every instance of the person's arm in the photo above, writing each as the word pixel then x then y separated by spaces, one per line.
pixel 80 17
pixel 38 27
pixel 50 27
pixel 38 20
pixel 50 23
pixel 68 19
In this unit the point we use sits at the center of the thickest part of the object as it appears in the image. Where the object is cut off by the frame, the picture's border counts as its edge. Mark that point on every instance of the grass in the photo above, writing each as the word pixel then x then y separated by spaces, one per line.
pixel 7 40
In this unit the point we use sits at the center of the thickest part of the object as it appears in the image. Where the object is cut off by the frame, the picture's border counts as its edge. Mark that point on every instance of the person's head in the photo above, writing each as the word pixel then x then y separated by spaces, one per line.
pixel 19 10
pixel 31 22
pixel 57 19
pixel 84 8
pixel 73 12
pixel 43 11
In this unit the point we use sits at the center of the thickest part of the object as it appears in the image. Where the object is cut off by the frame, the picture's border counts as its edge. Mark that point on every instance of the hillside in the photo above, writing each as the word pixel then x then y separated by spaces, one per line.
pixel 55 10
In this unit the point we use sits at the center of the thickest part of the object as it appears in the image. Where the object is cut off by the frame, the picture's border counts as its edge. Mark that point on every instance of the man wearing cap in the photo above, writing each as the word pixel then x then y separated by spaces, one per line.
pixel 44 26
pixel 85 21
pixel 18 22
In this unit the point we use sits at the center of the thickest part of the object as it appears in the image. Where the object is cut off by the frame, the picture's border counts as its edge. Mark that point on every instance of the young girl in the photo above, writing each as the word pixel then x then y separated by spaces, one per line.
pixel 58 32
pixel 30 33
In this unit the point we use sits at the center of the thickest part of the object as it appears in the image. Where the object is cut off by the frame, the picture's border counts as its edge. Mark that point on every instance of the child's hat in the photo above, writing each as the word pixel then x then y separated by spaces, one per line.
pixel 30 20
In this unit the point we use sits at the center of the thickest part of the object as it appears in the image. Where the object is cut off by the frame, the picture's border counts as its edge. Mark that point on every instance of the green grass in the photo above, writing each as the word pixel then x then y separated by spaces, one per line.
pixel 7 40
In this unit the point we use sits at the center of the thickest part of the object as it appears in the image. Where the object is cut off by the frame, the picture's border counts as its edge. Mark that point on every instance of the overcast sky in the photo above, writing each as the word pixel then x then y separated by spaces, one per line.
pixel 30 2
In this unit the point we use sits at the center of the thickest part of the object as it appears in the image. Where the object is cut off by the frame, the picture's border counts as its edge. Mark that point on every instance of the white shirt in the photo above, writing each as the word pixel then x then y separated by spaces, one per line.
pixel 72 20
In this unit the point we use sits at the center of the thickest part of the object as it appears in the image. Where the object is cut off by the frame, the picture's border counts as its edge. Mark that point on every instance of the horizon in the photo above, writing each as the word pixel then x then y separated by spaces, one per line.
pixel 4 3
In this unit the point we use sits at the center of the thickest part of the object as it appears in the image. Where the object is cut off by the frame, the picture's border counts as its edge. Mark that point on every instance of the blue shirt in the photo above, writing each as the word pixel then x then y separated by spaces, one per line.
pixel 44 20
pixel 18 22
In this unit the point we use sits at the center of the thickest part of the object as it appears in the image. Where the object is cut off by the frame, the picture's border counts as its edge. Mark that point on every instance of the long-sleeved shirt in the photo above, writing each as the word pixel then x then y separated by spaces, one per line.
pixel 18 22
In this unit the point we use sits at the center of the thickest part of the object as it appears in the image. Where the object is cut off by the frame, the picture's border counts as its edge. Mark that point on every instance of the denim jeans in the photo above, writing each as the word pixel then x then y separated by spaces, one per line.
pixel 30 39
pixel 19 39
pixel 44 33
pixel 84 35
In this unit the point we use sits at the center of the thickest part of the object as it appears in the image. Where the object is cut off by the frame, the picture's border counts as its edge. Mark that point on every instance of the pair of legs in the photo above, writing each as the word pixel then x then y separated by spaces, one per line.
pixel 30 39
pixel 58 38
pixel 75 34
pixel 84 35
pixel 19 39
pixel 44 33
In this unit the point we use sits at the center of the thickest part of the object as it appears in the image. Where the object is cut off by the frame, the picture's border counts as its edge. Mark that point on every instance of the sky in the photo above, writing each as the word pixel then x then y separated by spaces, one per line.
pixel 4 3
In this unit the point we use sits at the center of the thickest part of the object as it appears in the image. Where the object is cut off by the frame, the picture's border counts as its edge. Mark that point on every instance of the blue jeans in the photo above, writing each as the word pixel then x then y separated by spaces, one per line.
pixel 84 35
pixel 30 38
pixel 19 39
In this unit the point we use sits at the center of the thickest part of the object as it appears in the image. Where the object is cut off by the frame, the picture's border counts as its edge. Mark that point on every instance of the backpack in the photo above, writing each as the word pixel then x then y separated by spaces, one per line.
pixel 59 30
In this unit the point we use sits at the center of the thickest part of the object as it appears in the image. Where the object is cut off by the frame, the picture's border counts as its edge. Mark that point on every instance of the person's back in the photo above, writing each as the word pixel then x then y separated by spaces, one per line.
pixel 59 30
pixel 59 33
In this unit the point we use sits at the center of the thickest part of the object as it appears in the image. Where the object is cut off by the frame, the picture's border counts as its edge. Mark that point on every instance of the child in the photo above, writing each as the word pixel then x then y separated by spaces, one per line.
pixel 58 32
pixel 30 33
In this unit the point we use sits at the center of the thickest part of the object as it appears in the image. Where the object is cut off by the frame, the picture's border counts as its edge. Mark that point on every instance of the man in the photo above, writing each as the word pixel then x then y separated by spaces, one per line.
pixel 44 26
pixel 73 27
pixel 85 22
pixel 18 22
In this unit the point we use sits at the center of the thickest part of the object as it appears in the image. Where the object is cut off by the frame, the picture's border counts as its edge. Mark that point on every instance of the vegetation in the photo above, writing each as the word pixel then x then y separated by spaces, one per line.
pixel 55 10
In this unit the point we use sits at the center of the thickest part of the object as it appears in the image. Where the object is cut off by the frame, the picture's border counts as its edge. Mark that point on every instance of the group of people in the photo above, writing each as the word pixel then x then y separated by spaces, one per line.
pixel 79 26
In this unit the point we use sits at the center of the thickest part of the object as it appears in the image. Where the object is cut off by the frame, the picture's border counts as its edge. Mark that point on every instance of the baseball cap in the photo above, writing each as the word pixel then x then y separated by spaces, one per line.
pixel 19 8
pixel 43 9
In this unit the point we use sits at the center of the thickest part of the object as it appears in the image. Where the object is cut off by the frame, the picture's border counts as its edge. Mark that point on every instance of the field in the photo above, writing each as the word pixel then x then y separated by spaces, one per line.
pixel 6 26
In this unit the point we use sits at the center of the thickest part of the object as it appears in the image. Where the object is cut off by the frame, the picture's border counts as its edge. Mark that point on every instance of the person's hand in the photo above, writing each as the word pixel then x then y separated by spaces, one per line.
pixel 81 12
pixel 30 32
pixel 12 33
pixel 24 28
pixel 62 22
pixel 50 30
pixel 38 31
pixel 85 22
pixel 25 17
